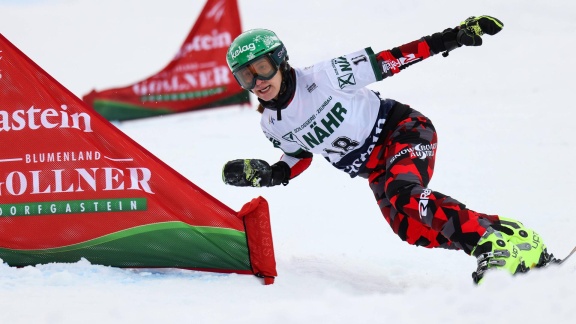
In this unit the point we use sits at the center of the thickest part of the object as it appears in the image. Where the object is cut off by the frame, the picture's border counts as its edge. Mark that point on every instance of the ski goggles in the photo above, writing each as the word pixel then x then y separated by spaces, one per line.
pixel 262 68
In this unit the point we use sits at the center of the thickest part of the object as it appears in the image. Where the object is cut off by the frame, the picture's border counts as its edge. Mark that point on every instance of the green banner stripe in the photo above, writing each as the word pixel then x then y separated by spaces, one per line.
pixel 183 95
pixel 115 110
pixel 202 230
pixel 118 111
pixel 170 244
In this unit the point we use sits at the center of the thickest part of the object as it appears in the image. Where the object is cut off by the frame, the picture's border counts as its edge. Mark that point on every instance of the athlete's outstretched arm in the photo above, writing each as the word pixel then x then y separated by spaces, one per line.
pixel 468 33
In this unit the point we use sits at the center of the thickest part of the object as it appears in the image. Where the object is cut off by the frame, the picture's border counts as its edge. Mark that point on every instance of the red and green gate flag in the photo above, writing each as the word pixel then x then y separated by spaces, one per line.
pixel 74 186
pixel 197 77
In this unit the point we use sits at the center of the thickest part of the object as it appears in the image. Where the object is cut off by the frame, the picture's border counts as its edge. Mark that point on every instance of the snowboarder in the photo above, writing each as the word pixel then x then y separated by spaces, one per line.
pixel 326 109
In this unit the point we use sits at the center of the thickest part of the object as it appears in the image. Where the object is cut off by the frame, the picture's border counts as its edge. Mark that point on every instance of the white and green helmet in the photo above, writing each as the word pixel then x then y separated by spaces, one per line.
pixel 252 44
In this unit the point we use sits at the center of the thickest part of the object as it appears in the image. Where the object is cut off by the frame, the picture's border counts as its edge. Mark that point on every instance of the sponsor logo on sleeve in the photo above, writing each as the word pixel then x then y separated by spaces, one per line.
pixel 423 203
pixel 343 71
pixel 346 80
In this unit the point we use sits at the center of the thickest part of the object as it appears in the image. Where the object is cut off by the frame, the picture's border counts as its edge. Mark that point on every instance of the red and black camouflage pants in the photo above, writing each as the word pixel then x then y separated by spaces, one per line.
pixel 400 168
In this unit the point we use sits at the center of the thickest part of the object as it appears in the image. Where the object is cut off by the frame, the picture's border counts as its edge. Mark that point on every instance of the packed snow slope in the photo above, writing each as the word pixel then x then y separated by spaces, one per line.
pixel 505 117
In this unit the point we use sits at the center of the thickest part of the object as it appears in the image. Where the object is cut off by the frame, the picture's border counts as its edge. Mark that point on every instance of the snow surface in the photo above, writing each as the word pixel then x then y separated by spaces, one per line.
pixel 505 120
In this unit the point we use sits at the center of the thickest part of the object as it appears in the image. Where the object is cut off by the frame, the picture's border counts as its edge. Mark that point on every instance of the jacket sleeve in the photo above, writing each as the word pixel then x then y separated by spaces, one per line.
pixel 394 60
pixel 289 167
pixel 297 163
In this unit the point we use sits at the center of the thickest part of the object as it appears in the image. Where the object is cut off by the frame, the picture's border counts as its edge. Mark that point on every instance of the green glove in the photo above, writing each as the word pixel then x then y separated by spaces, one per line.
pixel 472 28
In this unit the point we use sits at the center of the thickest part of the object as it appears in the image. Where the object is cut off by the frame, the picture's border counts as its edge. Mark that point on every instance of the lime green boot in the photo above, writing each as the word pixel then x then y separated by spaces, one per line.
pixel 495 252
pixel 532 249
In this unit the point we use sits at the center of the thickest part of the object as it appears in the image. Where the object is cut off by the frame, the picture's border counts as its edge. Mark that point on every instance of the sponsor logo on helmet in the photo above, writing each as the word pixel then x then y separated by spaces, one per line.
pixel 282 52
pixel 241 49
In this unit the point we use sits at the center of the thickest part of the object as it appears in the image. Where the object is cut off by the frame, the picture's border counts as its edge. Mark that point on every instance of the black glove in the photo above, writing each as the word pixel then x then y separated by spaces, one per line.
pixel 472 28
pixel 255 173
